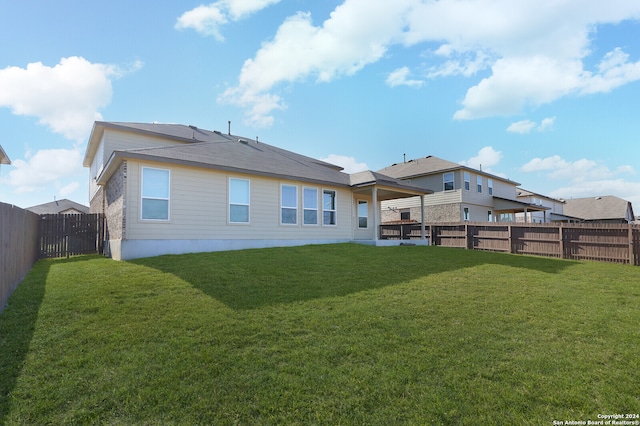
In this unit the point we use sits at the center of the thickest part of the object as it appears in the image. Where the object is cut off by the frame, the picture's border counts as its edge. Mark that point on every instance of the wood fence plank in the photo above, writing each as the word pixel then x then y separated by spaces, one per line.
pixel 616 243
pixel 69 235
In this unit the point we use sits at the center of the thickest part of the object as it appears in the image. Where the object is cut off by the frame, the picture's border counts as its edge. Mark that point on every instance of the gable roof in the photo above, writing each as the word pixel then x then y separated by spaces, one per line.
pixel 606 207
pixel 521 192
pixel 59 206
pixel 215 150
pixel 430 165
pixel 388 185
pixel 4 158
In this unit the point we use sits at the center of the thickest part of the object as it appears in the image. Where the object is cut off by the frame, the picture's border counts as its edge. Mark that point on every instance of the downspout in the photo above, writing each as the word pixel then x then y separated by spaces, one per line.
pixel 376 227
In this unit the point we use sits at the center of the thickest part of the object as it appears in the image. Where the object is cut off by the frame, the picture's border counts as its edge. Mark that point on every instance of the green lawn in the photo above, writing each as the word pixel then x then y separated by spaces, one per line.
pixel 335 334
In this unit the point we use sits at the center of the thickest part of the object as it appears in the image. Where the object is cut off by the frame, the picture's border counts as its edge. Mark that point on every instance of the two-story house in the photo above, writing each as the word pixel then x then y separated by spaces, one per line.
pixel 460 193
pixel 554 208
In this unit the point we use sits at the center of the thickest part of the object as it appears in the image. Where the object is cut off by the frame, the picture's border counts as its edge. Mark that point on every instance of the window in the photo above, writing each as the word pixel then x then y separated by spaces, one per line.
pixel 289 204
pixel 490 186
pixel 155 194
pixel 239 200
pixel 310 206
pixel 479 181
pixel 489 216
pixel 328 207
pixel 363 213
pixel 448 181
pixel 466 213
pixel 405 215
pixel 467 181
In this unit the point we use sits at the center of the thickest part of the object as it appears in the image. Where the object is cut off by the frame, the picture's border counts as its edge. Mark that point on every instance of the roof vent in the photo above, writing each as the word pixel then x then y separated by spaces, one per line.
pixel 193 127
pixel 598 198
pixel 244 141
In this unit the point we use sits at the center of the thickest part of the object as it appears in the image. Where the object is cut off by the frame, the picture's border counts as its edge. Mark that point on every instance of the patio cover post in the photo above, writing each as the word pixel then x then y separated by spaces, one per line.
pixel 423 234
pixel 376 212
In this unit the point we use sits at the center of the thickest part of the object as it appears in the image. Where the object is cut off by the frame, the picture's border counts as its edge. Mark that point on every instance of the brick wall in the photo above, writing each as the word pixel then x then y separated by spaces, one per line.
pixel 114 203
pixel 432 214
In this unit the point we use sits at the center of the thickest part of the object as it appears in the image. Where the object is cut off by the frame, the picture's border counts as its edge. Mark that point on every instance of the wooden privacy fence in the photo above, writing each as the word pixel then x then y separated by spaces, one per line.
pixel 64 235
pixel 616 243
pixel 18 247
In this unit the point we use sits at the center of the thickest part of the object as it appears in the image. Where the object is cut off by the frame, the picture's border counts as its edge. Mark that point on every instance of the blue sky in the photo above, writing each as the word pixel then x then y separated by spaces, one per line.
pixel 544 93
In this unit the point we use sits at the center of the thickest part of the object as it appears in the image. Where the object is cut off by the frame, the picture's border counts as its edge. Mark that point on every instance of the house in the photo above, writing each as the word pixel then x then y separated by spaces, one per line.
pixel 4 158
pixel 604 209
pixel 459 193
pixel 63 206
pixel 554 212
pixel 169 189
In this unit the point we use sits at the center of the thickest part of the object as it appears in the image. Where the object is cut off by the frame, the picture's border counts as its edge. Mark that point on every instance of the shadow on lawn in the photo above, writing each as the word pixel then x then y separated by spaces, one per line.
pixel 250 279
pixel 17 326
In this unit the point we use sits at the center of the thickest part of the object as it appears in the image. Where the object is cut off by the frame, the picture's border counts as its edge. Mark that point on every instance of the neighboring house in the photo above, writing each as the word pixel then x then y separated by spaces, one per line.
pixel 63 206
pixel 4 158
pixel 554 208
pixel 604 209
pixel 169 189
pixel 460 193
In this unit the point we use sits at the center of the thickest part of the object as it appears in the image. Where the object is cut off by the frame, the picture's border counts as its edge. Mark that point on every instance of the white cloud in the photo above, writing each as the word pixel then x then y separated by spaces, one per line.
pixel 520 82
pixel 349 164
pixel 465 64
pixel 585 178
pixel 45 166
pixel 68 189
pixel 533 52
pixel 487 157
pixel 614 71
pixel 357 33
pixel 526 126
pixel 207 20
pixel 400 76
pixel 546 124
pixel 65 97
pixel 522 127
pixel 579 171
pixel 621 188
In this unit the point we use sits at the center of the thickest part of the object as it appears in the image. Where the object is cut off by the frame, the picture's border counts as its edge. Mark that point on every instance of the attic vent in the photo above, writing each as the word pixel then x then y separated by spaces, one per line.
pixel 193 127
pixel 217 132
pixel 598 198
pixel 244 141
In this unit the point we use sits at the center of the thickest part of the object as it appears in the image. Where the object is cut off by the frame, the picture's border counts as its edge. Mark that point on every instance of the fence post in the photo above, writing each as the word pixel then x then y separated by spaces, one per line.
pixel 510 232
pixel 632 259
pixel 466 237
pixel 563 255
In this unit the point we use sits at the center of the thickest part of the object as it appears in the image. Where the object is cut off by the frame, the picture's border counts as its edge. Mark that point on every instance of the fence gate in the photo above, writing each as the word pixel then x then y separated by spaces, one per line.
pixel 64 235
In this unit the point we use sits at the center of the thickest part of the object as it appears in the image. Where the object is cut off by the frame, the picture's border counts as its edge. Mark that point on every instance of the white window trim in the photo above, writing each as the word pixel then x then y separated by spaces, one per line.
pixel 467 182
pixel 358 213
pixel 466 217
pixel 444 182
pixel 229 204
pixel 490 186
pixel 335 200
pixel 317 209
pixel 282 206
pixel 479 184
pixel 142 197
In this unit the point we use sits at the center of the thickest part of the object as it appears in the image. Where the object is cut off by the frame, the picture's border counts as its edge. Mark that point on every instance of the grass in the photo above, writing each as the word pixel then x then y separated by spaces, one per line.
pixel 336 334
